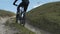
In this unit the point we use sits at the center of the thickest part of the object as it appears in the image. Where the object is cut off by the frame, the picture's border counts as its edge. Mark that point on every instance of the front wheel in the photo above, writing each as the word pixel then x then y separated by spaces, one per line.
pixel 22 21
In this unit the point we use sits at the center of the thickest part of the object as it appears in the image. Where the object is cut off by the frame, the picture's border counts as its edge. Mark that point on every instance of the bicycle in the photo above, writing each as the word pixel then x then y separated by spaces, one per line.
pixel 20 16
pixel 21 12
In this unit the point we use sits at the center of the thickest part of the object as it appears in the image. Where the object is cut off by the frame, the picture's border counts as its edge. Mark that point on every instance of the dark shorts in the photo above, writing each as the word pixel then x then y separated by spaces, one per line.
pixel 22 4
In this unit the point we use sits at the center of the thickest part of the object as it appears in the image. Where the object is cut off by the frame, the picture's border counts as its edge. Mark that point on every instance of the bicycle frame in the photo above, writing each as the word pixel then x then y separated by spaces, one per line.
pixel 20 16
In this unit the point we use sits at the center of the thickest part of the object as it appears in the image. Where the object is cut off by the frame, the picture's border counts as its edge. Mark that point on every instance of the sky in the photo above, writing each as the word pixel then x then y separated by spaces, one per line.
pixel 8 4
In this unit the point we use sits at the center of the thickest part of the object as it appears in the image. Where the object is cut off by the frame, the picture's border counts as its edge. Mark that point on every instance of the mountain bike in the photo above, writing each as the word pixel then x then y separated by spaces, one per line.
pixel 20 16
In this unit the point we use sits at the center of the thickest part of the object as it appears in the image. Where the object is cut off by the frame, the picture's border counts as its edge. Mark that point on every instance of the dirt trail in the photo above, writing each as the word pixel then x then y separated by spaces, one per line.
pixel 5 29
pixel 2 29
pixel 36 30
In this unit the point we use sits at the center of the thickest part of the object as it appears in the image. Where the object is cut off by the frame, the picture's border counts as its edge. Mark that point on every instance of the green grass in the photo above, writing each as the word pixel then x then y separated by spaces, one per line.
pixel 4 13
pixel 46 17
pixel 22 29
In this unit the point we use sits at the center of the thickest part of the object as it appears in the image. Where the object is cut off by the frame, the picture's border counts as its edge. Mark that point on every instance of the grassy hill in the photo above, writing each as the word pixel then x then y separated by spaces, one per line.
pixel 46 17
pixel 4 13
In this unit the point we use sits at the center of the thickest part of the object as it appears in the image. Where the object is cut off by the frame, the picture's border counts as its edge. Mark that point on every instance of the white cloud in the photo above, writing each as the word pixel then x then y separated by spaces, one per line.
pixel 36 6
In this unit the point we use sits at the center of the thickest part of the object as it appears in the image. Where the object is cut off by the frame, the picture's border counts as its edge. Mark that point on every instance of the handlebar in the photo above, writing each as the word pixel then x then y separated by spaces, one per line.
pixel 15 5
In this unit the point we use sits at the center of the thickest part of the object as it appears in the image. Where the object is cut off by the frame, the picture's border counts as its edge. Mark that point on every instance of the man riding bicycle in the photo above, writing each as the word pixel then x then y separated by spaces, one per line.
pixel 24 4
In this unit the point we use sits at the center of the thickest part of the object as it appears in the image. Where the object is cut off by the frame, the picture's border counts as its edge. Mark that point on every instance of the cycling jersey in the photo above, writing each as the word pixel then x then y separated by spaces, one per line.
pixel 26 1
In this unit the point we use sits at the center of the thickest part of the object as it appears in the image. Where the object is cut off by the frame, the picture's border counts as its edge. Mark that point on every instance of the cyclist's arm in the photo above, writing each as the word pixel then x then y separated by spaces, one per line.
pixel 15 2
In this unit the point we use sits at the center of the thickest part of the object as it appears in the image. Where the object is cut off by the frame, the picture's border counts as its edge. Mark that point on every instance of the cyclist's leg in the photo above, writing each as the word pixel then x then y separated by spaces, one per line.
pixel 24 14
pixel 17 15
pixel 16 18
pixel 20 14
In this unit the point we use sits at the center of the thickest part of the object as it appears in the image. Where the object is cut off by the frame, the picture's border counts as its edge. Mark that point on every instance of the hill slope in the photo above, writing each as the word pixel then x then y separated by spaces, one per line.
pixel 46 17
pixel 5 13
